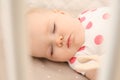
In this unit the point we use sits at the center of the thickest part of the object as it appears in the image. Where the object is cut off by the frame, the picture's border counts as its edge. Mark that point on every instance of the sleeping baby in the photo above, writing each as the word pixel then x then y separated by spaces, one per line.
pixel 57 36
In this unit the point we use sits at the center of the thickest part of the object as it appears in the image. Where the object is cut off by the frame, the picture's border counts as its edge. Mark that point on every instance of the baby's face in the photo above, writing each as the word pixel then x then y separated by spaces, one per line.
pixel 54 35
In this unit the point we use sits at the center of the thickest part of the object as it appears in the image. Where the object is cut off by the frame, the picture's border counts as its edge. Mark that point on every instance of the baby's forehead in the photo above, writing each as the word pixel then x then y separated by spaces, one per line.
pixel 38 15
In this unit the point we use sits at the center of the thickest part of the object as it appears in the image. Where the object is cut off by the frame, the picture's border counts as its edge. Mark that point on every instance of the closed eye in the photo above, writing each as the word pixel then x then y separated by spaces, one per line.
pixel 54 28
pixel 51 50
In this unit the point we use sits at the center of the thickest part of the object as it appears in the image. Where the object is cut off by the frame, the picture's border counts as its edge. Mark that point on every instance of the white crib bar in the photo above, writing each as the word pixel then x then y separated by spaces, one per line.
pixel 107 71
pixel 15 40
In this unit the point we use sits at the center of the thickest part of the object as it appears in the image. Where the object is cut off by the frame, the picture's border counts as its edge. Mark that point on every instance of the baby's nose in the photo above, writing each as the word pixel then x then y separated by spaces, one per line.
pixel 59 41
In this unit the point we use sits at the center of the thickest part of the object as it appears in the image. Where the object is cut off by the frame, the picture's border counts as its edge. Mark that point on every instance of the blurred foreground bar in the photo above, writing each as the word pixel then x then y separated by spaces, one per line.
pixel 110 69
pixel 15 43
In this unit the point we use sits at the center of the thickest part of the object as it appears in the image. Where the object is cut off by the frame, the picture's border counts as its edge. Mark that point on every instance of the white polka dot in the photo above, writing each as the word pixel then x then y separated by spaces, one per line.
pixel 76 77
pixel 48 76
pixel 59 70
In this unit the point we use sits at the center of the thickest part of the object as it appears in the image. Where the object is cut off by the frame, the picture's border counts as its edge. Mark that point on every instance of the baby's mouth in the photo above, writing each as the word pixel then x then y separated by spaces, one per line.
pixel 68 41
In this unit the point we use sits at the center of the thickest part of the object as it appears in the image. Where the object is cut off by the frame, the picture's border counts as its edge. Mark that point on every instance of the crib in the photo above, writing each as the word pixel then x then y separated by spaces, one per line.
pixel 15 62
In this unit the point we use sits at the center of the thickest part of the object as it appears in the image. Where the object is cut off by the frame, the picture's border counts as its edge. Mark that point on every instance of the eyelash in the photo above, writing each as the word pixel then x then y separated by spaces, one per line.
pixel 54 28
pixel 51 50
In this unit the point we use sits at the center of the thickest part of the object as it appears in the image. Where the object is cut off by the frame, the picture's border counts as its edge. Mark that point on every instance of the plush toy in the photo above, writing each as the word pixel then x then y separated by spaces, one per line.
pixel 88 62
pixel 87 65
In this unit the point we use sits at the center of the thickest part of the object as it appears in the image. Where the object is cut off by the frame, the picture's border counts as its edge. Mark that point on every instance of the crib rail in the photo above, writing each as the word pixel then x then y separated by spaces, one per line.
pixel 15 40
